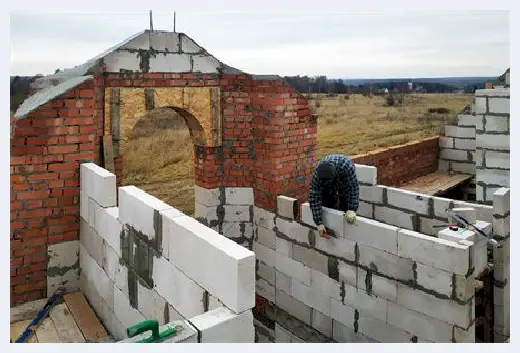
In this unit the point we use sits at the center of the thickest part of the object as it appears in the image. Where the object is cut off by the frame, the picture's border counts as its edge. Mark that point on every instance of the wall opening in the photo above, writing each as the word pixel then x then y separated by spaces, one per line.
pixel 158 156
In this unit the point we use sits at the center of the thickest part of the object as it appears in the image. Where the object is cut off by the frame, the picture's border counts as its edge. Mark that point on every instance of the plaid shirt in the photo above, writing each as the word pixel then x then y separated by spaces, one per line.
pixel 345 186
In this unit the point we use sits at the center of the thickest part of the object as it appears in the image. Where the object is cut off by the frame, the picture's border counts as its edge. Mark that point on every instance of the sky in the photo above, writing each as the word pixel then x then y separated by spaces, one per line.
pixel 338 45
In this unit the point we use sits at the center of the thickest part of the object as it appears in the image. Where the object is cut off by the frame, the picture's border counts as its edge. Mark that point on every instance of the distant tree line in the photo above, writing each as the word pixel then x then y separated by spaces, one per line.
pixel 321 84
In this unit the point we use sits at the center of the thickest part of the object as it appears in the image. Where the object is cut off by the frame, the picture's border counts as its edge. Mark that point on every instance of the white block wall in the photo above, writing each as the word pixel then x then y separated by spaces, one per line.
pixel 492 143
pixel 229 211
pixel 143 259
pixel 373 282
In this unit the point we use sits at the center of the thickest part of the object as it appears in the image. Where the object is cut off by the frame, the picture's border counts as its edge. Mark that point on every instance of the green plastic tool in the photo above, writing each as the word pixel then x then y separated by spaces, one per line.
pixel 150 325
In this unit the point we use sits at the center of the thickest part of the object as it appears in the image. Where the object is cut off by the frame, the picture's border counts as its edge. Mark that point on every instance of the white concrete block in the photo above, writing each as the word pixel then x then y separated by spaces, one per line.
pixel 188 45
pixel 429 226
pixel 99 184
pixel 495 177
pixel 208 213
pixel 293 269
pixel 440 205
pixel 321 323
pixel 481 105
pixel 465 144
pixel 306 215
pixel 334 220
pixel 498 105
pixel 293 230
pixel 470 120
pixel 127 315
pixel 497 123
pixel 237 230
pixel 97 277
pixel 109 228
pixel 383 262
pixel 223 326
pixel 266 272
pixel 384 287
pixel 366 174
pixel 445 310
pixel 91 241
pixel 325 285
pixel 497 159
pixel 110 261
pixel 464 287
pixel 484 212
pixel 458 131
pixel 501 201
pixel 287 206
pixel 464 336
pixel 365 209
pixel 493 92
pixel 263 218
pixel 454 155
pixel 381 331
pixel 283 282
pixel 352 275
pixel 207 197
pixel 284 336
pixel 166 218
pixel 434 279
pixel 464 167
pixel 205 64
pixel 344 334
pixel 433 252
pixel 92 211
pixel 310 296
pixel 180 291
pixel 239 196
pixel 150 304
pixel 284 247
pixel 342 313
pixel 480 258
pixel 494 142
pixel 456 235
pixel 266 237
pixel 446 142
pixel 122 60
pixel 468 213
pixel 373 233
pixel 227 264
pixel 83 206
pixel 419 324
pixel 371 305
pixel 163 41
pixel 233 213
pixel 340 247
pixel 264 254
pixel 121 279
pixel 373 194
pixel 138 209
pixel 265 289
pixel 170 63
pixel 394 217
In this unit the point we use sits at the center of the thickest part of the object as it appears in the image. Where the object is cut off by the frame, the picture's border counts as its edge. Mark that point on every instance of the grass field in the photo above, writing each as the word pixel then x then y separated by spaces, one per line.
pixel 159 156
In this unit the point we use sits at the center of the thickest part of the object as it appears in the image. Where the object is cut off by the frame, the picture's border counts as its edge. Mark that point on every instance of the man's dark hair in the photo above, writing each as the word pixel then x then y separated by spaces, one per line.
pixel 326 171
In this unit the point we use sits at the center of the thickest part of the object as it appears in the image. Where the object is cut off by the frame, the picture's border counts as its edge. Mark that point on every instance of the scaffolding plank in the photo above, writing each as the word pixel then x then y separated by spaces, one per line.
pixel 68 331
pixel 46 332
pixel 18 327
pixel 27 310
pixel 85 317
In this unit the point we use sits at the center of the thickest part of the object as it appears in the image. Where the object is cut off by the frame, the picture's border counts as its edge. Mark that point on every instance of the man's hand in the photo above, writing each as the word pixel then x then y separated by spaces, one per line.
pixel 322 231
pixel 350 217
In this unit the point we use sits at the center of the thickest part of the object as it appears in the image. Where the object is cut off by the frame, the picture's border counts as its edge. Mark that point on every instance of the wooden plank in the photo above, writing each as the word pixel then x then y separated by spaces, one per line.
pixel 46 332
pixel 85 317
pixel 108 151
pixel 68 331
pixel 27 310
pixel 17 329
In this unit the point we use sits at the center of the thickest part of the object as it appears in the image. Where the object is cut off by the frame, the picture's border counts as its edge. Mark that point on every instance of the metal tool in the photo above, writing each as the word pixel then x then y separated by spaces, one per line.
pixel 150 325
pixel 51 302
pixel 491 241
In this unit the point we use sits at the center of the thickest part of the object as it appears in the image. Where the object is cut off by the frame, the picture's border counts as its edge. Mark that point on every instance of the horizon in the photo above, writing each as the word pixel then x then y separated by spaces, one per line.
pixel 420 44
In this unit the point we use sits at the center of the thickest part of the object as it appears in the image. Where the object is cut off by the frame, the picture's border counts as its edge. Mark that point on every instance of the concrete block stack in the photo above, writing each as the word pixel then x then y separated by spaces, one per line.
pixel 406 209
pixel 501 264
pixel 143 259
pixel 229 211
pixel 492 142
pixel 371 282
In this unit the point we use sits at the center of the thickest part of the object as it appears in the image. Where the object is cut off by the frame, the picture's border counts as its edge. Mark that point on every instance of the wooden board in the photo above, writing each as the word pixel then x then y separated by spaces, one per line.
pixel 46 332
pixel 436 183
pixel 68 331
pixel 108 151
pixel 27 310
pixel 17 329
pixel 85 318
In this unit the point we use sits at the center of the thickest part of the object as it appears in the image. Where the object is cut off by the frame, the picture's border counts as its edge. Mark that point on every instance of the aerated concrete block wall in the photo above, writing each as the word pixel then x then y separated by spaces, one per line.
pixel 501 264
pixel 406 209
pixel 492 142
pixel 143 259
pixel 229 211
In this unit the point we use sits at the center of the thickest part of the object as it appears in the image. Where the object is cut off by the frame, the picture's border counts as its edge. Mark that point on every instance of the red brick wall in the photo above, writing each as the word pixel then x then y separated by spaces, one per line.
pixel 269 139
pixel 398 164
pixel 46 150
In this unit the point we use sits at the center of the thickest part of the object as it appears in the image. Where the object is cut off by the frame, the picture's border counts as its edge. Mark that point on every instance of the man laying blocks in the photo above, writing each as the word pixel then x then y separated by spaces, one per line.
pixel 334 185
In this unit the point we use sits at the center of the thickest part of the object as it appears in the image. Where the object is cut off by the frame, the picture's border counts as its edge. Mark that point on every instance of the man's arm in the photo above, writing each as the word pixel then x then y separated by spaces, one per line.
pixel 315 201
